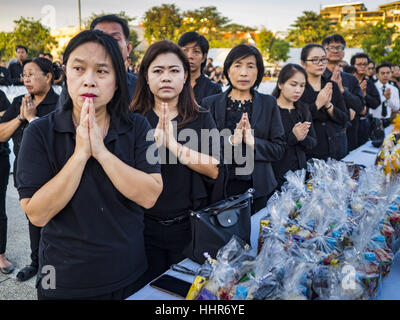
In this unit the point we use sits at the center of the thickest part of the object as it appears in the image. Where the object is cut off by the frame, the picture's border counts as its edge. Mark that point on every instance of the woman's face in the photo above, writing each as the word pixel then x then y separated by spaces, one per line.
pixel 166 77
pixel 243 73
pixel 35 81
pixel 294 87
pixel 316 62
pixel 90 74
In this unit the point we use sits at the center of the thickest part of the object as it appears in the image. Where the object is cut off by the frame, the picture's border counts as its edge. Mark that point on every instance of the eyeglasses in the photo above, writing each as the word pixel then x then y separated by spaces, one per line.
pixel 362 64
pixel 30 76
pixel 318 60
pixel 335 48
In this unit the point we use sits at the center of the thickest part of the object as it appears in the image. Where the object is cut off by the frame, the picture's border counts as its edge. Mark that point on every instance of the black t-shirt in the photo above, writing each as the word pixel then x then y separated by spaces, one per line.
pixel 178 193
pixel 205 87
pixel 46 106
pixel 96 242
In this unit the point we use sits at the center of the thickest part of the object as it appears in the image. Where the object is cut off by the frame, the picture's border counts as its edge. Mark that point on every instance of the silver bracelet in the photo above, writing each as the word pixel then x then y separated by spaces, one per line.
pixel 230 140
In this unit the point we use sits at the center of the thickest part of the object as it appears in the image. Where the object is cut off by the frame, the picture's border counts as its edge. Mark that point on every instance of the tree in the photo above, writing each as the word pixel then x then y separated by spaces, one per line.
pixel 30 33
pixel 394 55
pixel 376 44
pixel 274 49
pixel 206 20
pixel 162 22
pixel 309 28
pixel 279 50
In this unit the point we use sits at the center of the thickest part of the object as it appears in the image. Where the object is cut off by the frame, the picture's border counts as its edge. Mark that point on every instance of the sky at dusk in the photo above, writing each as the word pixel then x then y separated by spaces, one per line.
pixel 275 15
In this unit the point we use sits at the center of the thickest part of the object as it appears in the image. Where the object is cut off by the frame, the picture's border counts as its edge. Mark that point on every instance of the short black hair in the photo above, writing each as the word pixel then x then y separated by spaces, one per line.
pixel 112 18
pixel 360 55
pixel 334 38
pixel 44 65
pixel 49 55
pixel 201 41
pixel 305 52
pixel 240 52
pixel 384 64
pixel 21 47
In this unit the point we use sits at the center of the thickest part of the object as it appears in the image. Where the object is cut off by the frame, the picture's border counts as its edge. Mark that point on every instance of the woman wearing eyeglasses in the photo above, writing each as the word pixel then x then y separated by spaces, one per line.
pixel 40 100
pixel 325 101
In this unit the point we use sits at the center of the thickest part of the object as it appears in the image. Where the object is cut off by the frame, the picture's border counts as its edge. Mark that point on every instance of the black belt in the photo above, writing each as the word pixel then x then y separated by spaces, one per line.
pixel 168 222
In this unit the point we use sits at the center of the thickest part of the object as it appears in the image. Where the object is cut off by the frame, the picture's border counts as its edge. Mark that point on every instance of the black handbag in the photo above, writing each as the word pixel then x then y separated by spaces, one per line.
pixel 377 132
pixel 213 226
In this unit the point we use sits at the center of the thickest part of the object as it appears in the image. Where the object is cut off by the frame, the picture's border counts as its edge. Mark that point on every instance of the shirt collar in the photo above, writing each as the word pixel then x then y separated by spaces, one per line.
pixel 64 124
pixel 51 98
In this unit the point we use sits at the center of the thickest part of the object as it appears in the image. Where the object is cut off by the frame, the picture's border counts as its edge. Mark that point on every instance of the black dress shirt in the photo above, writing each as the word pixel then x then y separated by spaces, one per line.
pixel 326 126
pixel 205 87
pixel 16 69
pixel 295 151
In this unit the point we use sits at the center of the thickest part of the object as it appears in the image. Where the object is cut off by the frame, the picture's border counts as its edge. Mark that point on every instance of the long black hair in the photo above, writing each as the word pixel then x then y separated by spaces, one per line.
pixel 119 104
pixel 143 99
pixel 286 73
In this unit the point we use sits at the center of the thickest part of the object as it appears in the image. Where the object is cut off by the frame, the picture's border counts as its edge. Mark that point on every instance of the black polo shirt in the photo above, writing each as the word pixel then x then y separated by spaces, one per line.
pixel 96 242
pixel 46 106
pixel 205 87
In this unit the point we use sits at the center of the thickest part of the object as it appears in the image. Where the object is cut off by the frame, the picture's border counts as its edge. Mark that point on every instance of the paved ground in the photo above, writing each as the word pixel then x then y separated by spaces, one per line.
pixel 18 251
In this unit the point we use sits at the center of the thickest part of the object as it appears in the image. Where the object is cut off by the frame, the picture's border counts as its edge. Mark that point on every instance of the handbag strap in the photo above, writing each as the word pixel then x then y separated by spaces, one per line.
pixel 233 203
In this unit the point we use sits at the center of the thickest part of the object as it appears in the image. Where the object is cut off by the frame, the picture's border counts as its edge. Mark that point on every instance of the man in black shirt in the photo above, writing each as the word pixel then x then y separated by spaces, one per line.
pixel 196 47
pixel 117 28
pixel 17 68
pixel 350 89
pixel 5 79
pixel 361 62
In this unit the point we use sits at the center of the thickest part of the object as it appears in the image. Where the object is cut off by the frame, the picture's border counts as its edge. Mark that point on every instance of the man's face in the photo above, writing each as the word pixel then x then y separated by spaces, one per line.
pixel 195 56
pixel 396 71
pixel 361 65
pixel 21 54
pixel 115 30
pixel 384 75
pixel 335 51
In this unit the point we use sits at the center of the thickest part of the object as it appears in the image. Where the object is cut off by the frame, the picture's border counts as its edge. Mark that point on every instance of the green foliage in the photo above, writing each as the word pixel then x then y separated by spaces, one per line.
pixel 162 22
pixel 394 55
pixel 30 33
pixel 378 40
pixel 279 50
pixel 309 28
pixel 206 20
pixel 272 48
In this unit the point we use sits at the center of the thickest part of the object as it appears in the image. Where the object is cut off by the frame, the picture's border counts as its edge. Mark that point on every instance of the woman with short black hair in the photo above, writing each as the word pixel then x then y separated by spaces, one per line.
pixel 38 76
pixel 254 123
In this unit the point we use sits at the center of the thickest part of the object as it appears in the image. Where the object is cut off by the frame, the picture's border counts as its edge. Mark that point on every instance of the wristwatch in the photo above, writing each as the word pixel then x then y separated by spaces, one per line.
pixel 19 118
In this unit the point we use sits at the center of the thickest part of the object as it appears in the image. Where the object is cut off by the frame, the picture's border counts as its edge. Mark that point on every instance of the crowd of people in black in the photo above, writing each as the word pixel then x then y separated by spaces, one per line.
pixel 106 217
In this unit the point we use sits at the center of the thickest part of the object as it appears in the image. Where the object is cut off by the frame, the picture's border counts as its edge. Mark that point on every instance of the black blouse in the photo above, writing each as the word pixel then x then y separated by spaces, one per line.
pixel 234 112
pixel 182 187
pixel 325 126
pixel 295 151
